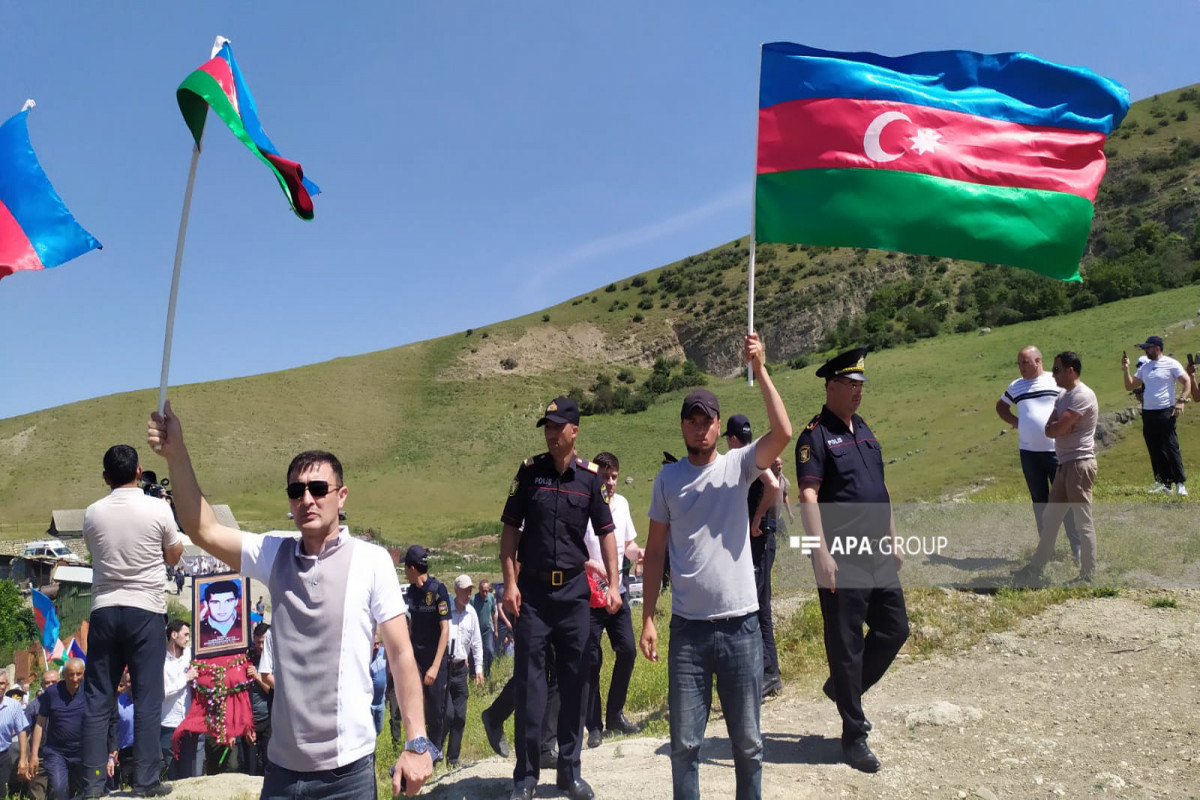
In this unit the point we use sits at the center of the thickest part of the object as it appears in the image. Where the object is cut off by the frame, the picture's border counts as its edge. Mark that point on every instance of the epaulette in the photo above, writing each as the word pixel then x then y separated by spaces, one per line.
pixel 813 423
pixel 589 466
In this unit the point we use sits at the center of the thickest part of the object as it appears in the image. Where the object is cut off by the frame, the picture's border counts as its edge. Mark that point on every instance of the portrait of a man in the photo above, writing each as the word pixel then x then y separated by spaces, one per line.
pixel 220 615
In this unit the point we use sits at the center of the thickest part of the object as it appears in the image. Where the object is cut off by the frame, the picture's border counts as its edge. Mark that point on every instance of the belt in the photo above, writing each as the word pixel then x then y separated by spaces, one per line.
pixel 555 577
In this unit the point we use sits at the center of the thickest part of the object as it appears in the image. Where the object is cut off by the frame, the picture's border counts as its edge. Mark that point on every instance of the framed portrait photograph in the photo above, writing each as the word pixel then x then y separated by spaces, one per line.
pixel 220 615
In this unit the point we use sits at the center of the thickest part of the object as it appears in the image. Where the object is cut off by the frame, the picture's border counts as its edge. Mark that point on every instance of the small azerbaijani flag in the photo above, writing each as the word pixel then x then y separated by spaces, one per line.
pixel 45 617
pixel 218 85
pixel 993 158
pixel 36 229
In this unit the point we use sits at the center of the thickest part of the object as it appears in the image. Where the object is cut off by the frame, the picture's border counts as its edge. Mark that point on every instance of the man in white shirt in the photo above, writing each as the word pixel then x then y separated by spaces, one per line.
pixel 619 625
pixel 330 592
pixel 465 647
pixel 178 674
pixel 1160 408
pixel 1033 395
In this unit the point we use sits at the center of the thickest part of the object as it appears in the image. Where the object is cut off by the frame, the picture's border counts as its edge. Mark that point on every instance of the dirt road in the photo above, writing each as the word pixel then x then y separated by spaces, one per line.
pixel 1092 698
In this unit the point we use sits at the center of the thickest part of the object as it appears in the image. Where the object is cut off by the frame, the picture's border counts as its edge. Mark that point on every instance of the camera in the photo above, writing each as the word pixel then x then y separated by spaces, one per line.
pixel 153 487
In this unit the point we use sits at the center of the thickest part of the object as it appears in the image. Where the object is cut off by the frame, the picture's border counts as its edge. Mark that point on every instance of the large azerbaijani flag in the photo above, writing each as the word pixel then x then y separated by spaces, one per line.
pixel 218 85
pixel 45 617
pixel 36 229
pixel 993 158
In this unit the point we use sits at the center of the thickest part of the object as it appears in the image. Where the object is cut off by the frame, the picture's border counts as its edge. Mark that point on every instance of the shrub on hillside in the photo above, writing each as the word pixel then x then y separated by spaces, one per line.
pixel 508 363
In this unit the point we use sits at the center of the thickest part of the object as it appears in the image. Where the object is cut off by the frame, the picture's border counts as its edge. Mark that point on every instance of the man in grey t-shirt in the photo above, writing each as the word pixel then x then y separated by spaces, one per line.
pixel 1072 426
pixel 698 510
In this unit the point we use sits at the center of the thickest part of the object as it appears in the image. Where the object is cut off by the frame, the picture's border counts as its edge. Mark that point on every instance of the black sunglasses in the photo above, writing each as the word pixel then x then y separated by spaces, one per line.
pixel 317 489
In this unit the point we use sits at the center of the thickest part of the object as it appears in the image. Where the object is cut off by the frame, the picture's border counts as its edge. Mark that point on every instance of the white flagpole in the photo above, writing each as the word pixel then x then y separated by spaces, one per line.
pixel 753 214
pixel 183 223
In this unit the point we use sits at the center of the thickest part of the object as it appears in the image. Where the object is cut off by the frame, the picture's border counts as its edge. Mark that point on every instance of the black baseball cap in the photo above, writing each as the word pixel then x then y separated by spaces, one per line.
pixel 417 556
pixel 1152 341
pixel 702 399
pixel 739 426
pixel 561 410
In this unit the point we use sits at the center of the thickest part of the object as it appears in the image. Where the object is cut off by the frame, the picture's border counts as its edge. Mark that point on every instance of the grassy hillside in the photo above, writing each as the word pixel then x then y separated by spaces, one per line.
pixel 431 433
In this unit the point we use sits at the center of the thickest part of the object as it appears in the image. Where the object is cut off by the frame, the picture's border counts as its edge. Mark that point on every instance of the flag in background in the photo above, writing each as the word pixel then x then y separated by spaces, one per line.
pixel 218 85
pixel 993 158
pixel 75 651
pixel 36 229
pixel 45 617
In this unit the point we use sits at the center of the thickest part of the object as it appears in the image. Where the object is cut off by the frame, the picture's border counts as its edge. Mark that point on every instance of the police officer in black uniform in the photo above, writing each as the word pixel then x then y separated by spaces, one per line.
pixel 553 496
pixel 429 629
pixel 845 503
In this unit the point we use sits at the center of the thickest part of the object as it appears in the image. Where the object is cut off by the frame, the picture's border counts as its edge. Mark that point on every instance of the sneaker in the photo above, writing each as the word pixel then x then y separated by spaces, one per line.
pixel 1181 490
pixel 1159 488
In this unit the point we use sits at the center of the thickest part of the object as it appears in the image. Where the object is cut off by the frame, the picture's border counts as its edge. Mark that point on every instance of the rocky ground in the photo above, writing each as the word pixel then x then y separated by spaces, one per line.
pixel 1097 697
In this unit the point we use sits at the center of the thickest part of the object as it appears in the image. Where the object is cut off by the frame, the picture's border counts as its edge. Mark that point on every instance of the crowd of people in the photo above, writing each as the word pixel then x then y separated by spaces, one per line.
pixel 567 545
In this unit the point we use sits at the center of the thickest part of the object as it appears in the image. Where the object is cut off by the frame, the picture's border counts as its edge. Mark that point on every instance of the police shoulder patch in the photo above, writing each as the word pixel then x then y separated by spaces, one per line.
pixel 812 423
pixel 512 487
pixel 443 608
pixel 589 466
pixel 804 454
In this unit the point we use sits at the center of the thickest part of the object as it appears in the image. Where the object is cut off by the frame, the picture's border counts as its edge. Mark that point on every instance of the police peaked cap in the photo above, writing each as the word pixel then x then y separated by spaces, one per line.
pixel 851 364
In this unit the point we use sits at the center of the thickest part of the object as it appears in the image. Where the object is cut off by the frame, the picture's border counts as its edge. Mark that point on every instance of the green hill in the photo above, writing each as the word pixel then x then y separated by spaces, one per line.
pixel 431 433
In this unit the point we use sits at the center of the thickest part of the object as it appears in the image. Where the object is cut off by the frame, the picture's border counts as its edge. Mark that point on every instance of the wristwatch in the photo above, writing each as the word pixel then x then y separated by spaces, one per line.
pixel 422 745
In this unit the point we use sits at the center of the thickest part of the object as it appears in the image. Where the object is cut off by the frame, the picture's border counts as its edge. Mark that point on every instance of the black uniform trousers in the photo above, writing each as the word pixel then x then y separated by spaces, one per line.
pixel 762 553
pixel 506 703
pixel 866 591
pixel 435 696
pixel 620 634
pixel 1158 429
pixel 556 614
pixel 456 709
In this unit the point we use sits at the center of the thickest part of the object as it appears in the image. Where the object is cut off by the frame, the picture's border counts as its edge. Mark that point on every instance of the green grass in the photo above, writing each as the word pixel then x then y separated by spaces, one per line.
pixel 1163 602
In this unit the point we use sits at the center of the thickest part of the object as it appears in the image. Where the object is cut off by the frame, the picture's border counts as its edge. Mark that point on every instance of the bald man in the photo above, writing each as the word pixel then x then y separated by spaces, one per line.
pixel 1033 395
pixel 60 724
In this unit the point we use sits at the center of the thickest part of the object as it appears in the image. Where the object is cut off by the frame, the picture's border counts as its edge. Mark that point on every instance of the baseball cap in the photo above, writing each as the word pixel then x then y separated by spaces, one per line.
pixel 701 399
pixel 561 410
pixel 1152 341
pixel 417 556
pixel 463 582
pixel 739 426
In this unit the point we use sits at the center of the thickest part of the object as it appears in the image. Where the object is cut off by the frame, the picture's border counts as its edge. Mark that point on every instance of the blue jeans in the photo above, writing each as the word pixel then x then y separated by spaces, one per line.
pixel 354 781
pixel 1039 469
pixel 377 716
pixel 731 651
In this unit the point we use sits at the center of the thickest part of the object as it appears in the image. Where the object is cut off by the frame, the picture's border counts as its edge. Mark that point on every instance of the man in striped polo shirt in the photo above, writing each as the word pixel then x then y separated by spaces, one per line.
pixel 1033 395
pixel 330 592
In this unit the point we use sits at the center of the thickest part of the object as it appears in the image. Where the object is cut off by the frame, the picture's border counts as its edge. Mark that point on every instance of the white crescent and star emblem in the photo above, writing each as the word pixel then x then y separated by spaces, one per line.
pixel 925 141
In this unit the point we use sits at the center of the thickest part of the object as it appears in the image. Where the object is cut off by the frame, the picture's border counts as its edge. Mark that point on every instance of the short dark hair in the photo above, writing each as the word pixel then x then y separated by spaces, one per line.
pixel 311 458
pixel 1069 358
pixel 176 625
pixel 220 587
pixel 261 629
pixel 120 464
pixel 607 460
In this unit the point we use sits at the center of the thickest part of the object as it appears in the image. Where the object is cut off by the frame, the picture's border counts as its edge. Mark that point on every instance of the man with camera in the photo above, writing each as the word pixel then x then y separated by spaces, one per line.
pixel 129 534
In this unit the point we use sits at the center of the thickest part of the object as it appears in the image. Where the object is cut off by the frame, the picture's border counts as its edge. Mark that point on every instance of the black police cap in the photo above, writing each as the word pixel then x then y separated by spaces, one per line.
pixel 851 364
pixel 561 410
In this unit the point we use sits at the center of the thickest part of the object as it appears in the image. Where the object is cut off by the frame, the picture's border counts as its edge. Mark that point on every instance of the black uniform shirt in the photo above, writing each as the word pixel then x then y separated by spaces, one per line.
pixel 428 605
pixel 555 510
pixel 848 471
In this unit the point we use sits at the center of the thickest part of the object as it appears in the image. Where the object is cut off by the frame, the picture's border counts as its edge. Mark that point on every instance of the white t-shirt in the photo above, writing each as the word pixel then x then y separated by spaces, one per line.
pixel 177 691
pixel 1034 399
pixel 1160 378
pixel 126 533
pixel 624 532
pixel 712 572
pixel 325 611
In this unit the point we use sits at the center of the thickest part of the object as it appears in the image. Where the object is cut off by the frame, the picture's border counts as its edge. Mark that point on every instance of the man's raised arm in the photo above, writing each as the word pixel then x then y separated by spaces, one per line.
pixel 772 444
pixel 165 436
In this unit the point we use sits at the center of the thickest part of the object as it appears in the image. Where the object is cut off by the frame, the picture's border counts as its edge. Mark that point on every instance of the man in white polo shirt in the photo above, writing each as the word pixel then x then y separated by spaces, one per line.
pixel 1160 407
pixel 331 591
pixel 1033 395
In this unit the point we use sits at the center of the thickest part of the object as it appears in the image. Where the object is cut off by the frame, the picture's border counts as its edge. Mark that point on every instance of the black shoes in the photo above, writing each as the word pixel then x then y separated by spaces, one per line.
pixel 524 793
pixel 576 788
pixel 859 756
pixel 548 759
pixel 595 738
pixel 772 686
pixel 495 735
pixel 620 724
pixel 157 790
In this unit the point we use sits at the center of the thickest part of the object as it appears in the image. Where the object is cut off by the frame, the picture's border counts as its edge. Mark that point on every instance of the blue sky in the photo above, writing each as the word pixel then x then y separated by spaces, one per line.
pixel 479 160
